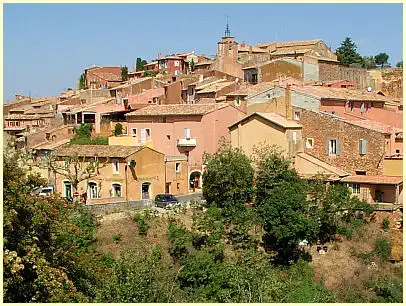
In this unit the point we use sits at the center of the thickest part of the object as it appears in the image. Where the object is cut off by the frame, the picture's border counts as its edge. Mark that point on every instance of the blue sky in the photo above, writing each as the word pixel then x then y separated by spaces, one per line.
pixel 47 46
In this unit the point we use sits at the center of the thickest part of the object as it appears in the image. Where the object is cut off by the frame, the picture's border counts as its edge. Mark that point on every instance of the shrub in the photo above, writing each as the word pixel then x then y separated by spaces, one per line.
pixel 142 225
pixel 180 241
pixel 116 238
pixel 382 249
pixel 385 224
pixel 118 129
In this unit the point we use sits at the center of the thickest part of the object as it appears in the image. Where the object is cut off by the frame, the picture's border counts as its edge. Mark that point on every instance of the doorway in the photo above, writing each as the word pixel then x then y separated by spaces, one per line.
pixel 145 191
pixel 195 179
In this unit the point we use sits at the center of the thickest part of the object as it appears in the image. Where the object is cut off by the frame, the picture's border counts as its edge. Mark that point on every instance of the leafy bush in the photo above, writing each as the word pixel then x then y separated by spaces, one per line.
pixel 142 224
pixel 118 129
pixel 385 224
pixel 387 290
pixel 116 238
pixel 382 249
pixel 180 240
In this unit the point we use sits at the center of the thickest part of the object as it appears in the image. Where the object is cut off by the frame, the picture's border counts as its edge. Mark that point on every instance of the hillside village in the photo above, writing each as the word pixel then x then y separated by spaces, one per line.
pixel 343 122
pixel 127 138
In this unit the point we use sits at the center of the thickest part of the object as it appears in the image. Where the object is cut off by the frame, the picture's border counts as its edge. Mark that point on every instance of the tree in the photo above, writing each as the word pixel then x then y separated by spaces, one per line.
pixel 347 53
pixel 368 62
pixel 192 65
pixel 227 180
pixel 82 81
pixel 139 66
pixel 381 59
pixel 118 129
pixel 44 248
pixel 399 64
pixel 124 73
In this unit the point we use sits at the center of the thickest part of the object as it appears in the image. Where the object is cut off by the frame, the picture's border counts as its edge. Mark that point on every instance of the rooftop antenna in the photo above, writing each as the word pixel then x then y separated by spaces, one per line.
pixel 227 32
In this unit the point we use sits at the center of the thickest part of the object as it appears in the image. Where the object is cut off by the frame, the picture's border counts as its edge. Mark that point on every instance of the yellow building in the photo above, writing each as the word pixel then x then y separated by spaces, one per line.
pixel 124 173
pixel 267 128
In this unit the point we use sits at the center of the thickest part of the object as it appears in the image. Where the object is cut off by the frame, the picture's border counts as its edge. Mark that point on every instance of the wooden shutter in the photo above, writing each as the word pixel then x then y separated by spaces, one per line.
pixel 365 146
pixel 338 147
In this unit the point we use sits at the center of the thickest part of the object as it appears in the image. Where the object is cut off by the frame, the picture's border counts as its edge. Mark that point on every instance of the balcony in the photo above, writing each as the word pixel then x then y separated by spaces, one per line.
pixel 185 142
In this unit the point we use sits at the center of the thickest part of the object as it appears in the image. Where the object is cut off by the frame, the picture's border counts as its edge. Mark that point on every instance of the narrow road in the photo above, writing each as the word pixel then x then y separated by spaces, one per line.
pixel 193 196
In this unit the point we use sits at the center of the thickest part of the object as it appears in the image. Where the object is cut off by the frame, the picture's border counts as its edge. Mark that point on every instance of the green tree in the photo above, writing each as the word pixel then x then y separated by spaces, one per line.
pixel 124 73
pixel 118 129
pixel 227 180
pixel 192 65
pixel 368 62
pixel 139 66
pixel 347 53
pixel 44 243
pixel 82 81
pixel 399 64
pixel 381 59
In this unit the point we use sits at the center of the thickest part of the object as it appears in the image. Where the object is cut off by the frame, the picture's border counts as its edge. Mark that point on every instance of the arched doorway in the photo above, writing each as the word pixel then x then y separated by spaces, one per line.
pixel 195 179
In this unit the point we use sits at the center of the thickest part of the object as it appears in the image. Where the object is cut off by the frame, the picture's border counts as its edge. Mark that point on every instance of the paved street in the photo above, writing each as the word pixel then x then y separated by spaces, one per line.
pixel 193 196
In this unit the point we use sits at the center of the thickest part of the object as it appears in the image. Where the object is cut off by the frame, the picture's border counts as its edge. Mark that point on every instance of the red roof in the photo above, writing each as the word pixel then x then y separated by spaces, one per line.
pixel 374 179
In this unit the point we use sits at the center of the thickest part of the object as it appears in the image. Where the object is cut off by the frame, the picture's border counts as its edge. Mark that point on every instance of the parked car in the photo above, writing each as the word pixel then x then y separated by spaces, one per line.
pixel 43 191
pixel 166 201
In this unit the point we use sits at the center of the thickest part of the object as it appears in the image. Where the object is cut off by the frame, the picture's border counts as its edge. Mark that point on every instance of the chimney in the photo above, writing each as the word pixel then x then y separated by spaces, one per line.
pixel 288 105
pixel 159 55
pixel 243 43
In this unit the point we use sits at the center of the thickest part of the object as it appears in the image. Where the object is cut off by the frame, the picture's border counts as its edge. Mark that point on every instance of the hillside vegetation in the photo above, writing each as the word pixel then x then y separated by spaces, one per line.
pixel 241 245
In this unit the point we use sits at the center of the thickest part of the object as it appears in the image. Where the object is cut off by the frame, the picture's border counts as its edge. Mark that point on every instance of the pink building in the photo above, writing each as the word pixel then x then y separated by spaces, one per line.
pixel 181 129
pixel 150 96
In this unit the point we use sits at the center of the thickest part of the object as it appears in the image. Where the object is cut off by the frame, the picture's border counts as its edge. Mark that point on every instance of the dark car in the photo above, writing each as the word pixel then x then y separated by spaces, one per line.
pixel 165 200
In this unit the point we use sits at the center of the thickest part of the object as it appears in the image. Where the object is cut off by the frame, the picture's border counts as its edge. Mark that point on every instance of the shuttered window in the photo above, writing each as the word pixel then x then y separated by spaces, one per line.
pixel 362 146
pixel 333 147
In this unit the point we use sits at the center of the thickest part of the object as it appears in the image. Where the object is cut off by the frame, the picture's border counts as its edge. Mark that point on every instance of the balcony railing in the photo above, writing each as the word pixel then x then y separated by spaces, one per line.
pixel 184 142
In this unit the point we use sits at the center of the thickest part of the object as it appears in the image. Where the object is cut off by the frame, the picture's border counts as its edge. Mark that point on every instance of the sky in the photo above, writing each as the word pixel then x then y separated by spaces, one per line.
pixel 47 46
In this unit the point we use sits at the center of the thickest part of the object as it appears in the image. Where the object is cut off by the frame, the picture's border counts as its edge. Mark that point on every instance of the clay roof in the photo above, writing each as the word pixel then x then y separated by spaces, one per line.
pixel 203 63
pixel 338 93
pixel 376 126
pixel 252 89
pixel 151 63
pixel 177 109
pixel 50 145
pixel 14 128
pixel 97 150
pixel 21 117
pixel 215 87
pixel 322 164
pixel 271 117
pixel 374 179
pixel 206 81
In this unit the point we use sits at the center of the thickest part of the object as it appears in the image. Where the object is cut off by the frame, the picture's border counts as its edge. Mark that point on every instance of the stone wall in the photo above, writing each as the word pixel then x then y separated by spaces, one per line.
pixel 322 127
pixel 330 72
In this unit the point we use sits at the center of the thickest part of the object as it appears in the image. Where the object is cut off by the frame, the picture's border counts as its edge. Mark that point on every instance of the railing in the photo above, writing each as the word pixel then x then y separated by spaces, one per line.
pixel 184 142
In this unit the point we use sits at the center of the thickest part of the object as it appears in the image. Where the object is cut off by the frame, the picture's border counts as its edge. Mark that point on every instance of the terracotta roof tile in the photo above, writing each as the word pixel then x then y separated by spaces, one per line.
pixel 272 117
pixel 374 179
pixel 177 109
pixel 215 87
pixel 21 117
pixel 376 126
pixel 322 164
pixel 50 145
pixel 108 76
pixel 338 93
pixel 97 150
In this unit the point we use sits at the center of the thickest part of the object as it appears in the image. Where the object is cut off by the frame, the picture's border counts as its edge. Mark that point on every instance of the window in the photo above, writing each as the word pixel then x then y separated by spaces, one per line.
pixel 254 78
pixel 397 151
pixel 116 191
pixel 177 167
pixel 268 96
pixel 360 172
pixel 155 100
pixel 168 136
pixel 66 163
pixel 355 188
pixel 297 115
pixel 237 101
pixel 309 143
pixel 166 64
pixel 187 133
pixel 145 134
pixel 93 190
pixel 176 72
pixel 17 123
pixel 67 190
pixel 333 147
pixel 294 137
pixel 176 63
pixel 362 146
pixel 115 166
